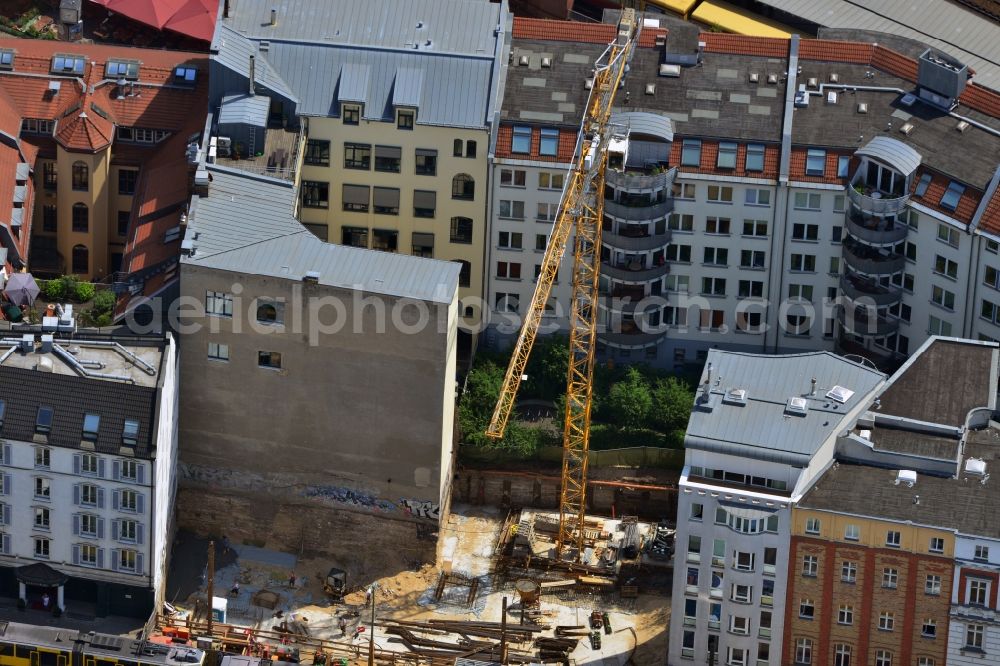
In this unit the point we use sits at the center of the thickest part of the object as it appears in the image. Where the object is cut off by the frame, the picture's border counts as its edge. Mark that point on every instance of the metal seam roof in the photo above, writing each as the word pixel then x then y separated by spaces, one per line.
pixel 643 122
pixel 893 152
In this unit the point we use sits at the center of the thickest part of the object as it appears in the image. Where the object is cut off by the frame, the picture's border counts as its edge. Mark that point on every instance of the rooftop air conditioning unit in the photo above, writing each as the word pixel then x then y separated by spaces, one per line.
pixel 907 476
pixel 975 466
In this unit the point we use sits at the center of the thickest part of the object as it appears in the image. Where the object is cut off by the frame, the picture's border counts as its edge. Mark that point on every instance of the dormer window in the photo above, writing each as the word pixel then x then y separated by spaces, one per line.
pixel 815 162
pixel 6 59
pixel 121 69
pixel 351 114
pixel 405 119
pixel 91 425
pixel 43 420
pixel 130 433
pixel 3 409
pixel 67 64
pixel 185 76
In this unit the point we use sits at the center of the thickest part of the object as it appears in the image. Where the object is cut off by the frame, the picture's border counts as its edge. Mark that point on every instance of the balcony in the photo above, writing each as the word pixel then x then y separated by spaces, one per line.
pixel 632 340
pixel 862 321
pixel 858 288
pixel 630 180
pixel 635 239
pixel 634 272
pixel 875 230
pixel 872 261
pixel 878 356
pixel 874 202
pixel 638 213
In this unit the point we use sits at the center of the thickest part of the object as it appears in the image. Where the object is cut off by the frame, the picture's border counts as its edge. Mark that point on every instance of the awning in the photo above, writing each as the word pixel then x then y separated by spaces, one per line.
pixel 356 194
pixel 40 574
pixel 424 199
pixel 426 152
pixel 386 197
pixel 900 156
pixel 421 239
pixel 391 152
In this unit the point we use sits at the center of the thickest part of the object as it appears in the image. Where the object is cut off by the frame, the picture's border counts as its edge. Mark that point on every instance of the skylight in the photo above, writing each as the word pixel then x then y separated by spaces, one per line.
pixel 951 196
pixel 815 162
pixel 6 59
pixel 840 394
pixel 691 152
pixel 727 155
pixel 130 433
pixel 925 180
pixel 43 420
pixel 91 425
pixel 185 75
pixel 67 64
pixel 755 157
pixel 797 406
pixel 121 69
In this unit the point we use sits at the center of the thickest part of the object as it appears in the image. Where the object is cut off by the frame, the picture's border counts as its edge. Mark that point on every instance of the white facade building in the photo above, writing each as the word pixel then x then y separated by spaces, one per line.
pixel 88 462
pixel 974 627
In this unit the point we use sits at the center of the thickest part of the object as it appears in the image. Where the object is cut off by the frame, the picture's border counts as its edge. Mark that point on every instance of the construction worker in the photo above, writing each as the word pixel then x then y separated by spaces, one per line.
pixel 343 626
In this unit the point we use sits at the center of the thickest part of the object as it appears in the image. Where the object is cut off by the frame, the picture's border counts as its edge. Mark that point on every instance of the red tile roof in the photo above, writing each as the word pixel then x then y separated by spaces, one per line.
pixel 981 99
pixel 648 36
pixel 797 167
pixel 83 130
pixel 990 220
pixel 831 50
pixel 567 145
pixel 563 31
pixel 894 63
pixel 766 47
pixel 10 117
pixel 710 160
pixel 967 204
pixel 10 157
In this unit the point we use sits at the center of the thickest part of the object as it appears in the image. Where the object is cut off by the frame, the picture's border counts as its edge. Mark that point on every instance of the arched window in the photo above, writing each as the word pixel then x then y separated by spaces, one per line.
pixel 81 217
pixel 81 260
pixel 463 187
pixel 81 176
pixel 465 275
pixel 267 313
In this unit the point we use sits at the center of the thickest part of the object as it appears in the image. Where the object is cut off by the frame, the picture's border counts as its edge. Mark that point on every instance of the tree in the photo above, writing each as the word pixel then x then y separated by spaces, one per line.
pixel 476 409
pixel 672 402
pixel 547 368
pixel 629 400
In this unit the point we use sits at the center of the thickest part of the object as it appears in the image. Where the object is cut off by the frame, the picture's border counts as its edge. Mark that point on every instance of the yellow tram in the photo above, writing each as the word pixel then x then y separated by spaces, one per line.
pixel 30 645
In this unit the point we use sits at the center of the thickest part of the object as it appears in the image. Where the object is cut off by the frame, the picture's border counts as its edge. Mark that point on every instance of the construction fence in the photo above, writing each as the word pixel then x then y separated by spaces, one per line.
pixel 636 456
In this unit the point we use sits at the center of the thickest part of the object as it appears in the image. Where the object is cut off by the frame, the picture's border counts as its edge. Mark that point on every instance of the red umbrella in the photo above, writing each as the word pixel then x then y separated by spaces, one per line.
pixel 195 19
pixel 151 12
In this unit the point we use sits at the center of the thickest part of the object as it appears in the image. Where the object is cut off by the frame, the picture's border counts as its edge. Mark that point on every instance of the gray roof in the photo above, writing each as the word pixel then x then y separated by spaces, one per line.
pixel 643 122
pixel 234 51
pixel 437 55
pixel 959 31
pixel 893 152
pixel 245 225
pixel 245 110
pixel 761 428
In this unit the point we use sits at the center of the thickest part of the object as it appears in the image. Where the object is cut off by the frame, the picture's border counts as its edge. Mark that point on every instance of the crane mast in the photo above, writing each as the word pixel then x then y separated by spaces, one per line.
pixel 580 213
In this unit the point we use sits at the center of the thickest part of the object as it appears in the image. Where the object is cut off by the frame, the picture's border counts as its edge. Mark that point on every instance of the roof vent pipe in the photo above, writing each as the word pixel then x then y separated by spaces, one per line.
pixel 274 17
pixel 253 71
pixel 813 389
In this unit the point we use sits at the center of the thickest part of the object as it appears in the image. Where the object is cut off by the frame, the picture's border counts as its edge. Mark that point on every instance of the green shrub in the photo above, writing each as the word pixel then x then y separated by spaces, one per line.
pixel 84 291
pixel 103 320
pixel 104 302
pixel 55 290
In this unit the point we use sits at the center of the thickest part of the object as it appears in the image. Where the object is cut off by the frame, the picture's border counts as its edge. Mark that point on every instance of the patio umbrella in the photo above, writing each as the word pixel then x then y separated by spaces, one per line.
pixel 195 19
pixel 21 289
pixel 151 12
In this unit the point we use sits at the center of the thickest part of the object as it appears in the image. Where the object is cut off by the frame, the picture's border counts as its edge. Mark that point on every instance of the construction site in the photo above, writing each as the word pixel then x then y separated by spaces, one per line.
pixel 497 594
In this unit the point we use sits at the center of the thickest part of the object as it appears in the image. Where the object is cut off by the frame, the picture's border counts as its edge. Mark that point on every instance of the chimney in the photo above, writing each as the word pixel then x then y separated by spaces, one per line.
pixel 274 17
pixel 253 67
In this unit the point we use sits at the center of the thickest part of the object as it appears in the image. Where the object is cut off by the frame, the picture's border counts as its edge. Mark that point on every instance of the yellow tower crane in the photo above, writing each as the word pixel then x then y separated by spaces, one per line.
pixel 580 211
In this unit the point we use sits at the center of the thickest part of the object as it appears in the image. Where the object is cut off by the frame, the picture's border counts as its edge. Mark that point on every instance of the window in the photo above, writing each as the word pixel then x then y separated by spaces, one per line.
pixel 679 253
pixel 978 591
pixel 81 217
pixel 678 283
pixel 509 270
pixel 767 592
pixel 810 565
pixel 932 585
pixel 461 230
pixel 739 625
pixel 463 187
pixel 720 194
pixel 424 203
pixel 755 157
pixel 318 152
pixel 842 655
pixel 513 210
pixel 42 518
pixel 87 554
pixel 807 201
pixel 886 621
pixel 991 277
pixel 839 203
pixel 937 326
pixel 929 629
pixel 6 59
pixel 41 548
pixel 81 177
pixel 697 511
pixel 910 250
pixel 185 75
pixel 694 548
pixel 268 359
pixel 550 181
pixel 751 289
pixel 385 200
pixel 808 232
pixel 464 273
pixel 64 64
pixel 883 658
pixel 128 530
pixel 127 560
pixel 755 228
pixel 356 198
pixel 91 426
pixel 218 352
pixel 43 457
pixel 404 120
pixel 388 158
pixel 426 162
pixel 351 114
pixel 89 463
pixel 806 609
pixel 690 611
pixel 716 256
pixel 43 488
pixel 128 470
pixel 679 222
pixel 727 155
pixel 942 297
pixel 89 525
pixel 890 578
pixel 815 162
pixel 315 194
pixel 736 656
pixel 845 615
pixel 126 181
pixel 948 235
pixel 218 304
pixel 546 212
pixel 510 240
pixel 90 495
pixel 717 225
pixel 267 313
pixel 128 500
pixel 892 539
pixel 684 191
pixel 691 152
pixel 974 636
pixel 549 142
pixel 741 593
pixel 843 164
pixel 357 156
pixel 49 175
pixel 123 220
pixel 849 572
pixel 937 545
pixel 951 196
pixel 803 292
pixel 43 420
pixel 803 263
pixel 812 524
pixel 713 286
pixel 945 266
pixel 506 303
pixel 981 554
pixel 715 321
pixel 803 651
pixel 743 561
pixel 470 148
pixel 521 139
pixel 513 177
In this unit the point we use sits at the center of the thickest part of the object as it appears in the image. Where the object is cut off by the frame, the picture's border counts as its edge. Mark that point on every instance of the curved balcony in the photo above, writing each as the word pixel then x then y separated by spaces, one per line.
pixel 648 213
pixel 633 275
pixel 875 355
pixel 862 321
pixel 632 340
pixel 864 290
pixel 876 231
pixel 632 181
pixel 633 243
pixel 875 202
pixel 870 261
pixel 627 300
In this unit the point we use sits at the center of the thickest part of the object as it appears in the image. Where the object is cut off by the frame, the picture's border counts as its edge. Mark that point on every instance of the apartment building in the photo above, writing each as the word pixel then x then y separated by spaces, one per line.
pixel 87 467
pixel 83 122
pixel 349 356
pixel 900 573
pixel 397 123
pixel 762 429
pixel 765 195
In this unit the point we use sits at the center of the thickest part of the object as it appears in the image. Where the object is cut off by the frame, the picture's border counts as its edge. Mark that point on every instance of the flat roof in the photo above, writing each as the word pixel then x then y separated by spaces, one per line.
pixel 912 443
